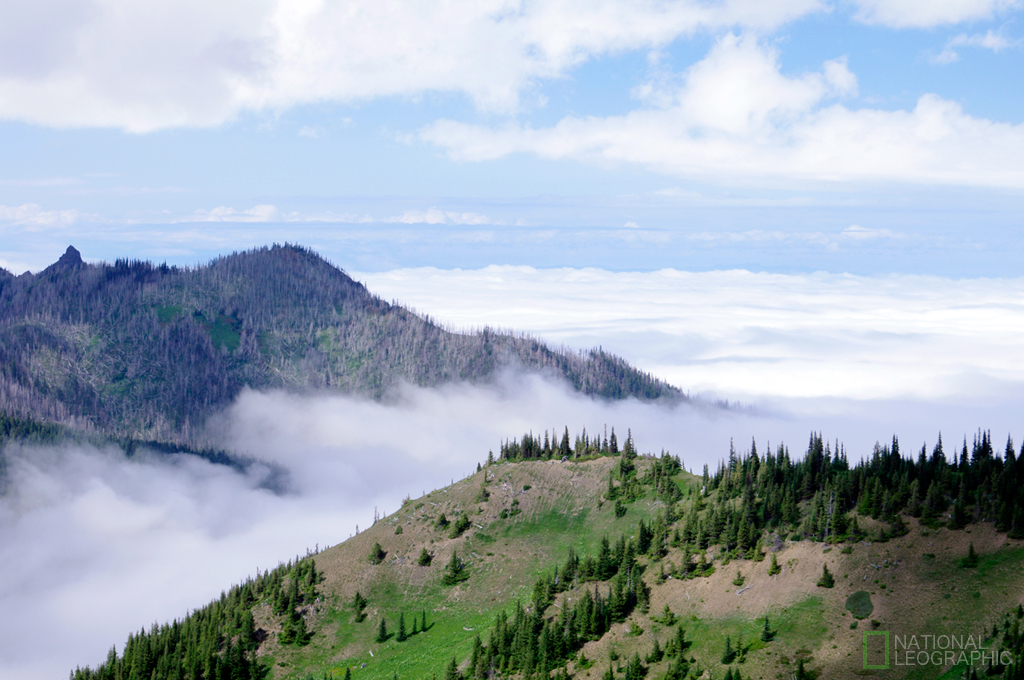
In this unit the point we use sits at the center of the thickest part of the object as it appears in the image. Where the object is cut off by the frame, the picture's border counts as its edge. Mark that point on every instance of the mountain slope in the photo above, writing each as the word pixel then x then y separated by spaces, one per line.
pixel 135 349
pixel 628 541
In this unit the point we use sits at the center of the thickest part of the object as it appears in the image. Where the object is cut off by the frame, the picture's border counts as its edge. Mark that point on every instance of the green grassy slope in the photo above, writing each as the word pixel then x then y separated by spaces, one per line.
pixel 914 584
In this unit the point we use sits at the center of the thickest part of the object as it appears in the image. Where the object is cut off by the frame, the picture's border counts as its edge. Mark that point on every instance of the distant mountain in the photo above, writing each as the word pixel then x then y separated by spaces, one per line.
pixel 144 350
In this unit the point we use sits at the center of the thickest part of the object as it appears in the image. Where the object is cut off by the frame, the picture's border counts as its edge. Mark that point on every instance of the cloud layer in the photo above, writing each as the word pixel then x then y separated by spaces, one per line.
pixel 764 335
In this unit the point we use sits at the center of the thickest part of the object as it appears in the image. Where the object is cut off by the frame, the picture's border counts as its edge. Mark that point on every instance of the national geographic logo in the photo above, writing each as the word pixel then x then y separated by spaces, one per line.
pixel 927 650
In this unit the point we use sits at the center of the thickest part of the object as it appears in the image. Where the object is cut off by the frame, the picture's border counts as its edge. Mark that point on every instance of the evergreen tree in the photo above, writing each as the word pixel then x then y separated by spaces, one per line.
pixel 358 605
pixel 728 654
pixel 766 632
pixel 971 560
pixel 774 567
pixel 826 580
pixel 382 631
pixel 401 636
pixel 424 558
pixel 452 672
pixel 377 554
pixel 454 572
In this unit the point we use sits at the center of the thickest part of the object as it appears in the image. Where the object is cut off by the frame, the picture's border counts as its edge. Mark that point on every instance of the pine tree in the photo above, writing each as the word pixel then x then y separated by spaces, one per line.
pixel 774 567
pixel 766 632
pixel 826 580
pixel 454 571
pixel 358 605
pixel 401 636
pixel 452 672
pixel 382 632
pixel 424 558
pixel 971 560
pixel 377 554
pixel 729 654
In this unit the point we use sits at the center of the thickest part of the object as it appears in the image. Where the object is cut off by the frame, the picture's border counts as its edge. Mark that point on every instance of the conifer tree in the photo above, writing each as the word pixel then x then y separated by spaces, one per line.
pixel 452 672
pixel 728 654
pixel 453 573
pixel 424 558
pixel 971 560
pixel 766 632
pixel 774 567
pixel 382 631
pixel 826 580
pixel 377 554
pixel 401 636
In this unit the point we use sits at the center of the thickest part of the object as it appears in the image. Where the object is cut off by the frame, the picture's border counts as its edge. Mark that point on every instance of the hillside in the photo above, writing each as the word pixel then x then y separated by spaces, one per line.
pixel 150 351
pixel 596 565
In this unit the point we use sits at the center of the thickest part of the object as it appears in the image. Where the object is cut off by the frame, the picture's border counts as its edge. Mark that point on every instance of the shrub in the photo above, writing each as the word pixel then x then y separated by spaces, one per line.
pixel 826 580
pixel 377 554
pixel 860 605
pixel 971 560
pixel 462 524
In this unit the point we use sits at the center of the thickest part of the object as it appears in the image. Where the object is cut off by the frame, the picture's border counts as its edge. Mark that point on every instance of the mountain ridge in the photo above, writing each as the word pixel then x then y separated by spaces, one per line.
pixel 541 565
pixel 151 351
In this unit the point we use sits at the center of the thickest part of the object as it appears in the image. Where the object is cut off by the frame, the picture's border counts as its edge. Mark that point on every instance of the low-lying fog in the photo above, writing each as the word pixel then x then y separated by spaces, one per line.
pixel 93 546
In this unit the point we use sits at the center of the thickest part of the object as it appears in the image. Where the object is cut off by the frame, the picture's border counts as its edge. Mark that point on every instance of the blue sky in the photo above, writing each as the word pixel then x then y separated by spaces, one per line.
pixel 863 136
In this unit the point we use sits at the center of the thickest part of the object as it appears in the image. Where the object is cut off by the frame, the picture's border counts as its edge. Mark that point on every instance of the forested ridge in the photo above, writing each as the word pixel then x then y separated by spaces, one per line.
pixel 29 432
pixel 747 509
pixel 144 350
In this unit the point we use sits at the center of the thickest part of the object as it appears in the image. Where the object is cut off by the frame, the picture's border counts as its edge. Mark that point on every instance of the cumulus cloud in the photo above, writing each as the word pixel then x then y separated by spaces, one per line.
pixel 914 14
pixel 164 64
pixel 735 116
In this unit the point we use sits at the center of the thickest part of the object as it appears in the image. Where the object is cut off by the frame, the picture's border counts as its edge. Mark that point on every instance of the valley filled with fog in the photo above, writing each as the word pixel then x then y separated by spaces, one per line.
pixel 94 546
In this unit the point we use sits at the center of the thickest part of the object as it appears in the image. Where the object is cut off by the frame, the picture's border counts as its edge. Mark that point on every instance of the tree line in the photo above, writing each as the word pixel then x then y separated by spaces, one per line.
pixel 218 641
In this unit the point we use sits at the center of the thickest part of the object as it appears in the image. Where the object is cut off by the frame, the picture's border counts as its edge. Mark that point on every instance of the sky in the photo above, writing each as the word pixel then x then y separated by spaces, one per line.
pixel 854 136
pixel 811 209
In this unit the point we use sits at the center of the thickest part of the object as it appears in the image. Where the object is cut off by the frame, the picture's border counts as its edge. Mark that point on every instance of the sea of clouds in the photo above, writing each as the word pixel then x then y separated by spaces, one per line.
pixel 93 546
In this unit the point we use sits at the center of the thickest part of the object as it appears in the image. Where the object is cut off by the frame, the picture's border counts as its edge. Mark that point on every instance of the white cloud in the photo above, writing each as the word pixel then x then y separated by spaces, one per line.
pixel 736 118
pixel 146 66
pixel 763 335
pixel 270 213
pixel 267 213
pixel 223 213
pixel 990 40
pixel 930 13
pixel 437 216
pixel 35 216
